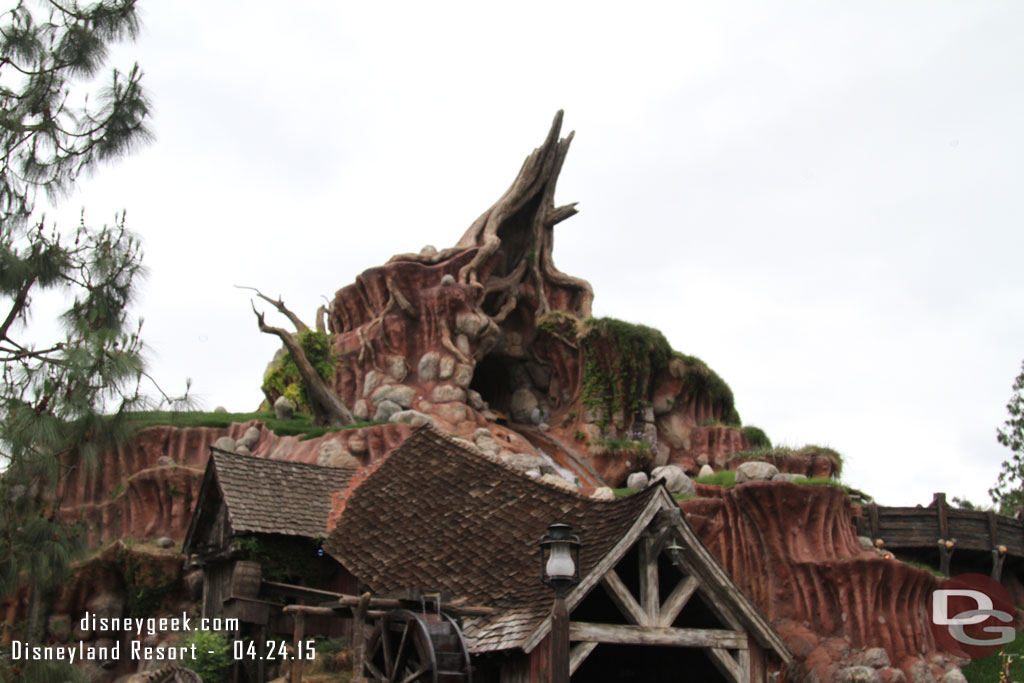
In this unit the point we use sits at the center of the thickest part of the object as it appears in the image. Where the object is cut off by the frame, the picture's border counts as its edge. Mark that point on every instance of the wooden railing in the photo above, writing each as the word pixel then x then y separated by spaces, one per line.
pixel 946 529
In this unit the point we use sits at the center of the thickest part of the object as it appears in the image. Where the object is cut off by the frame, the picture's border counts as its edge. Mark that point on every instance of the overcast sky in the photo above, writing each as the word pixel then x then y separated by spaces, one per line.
pixel 822 200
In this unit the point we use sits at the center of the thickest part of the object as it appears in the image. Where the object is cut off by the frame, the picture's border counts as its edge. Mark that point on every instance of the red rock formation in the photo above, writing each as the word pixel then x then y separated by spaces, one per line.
pixel 793 550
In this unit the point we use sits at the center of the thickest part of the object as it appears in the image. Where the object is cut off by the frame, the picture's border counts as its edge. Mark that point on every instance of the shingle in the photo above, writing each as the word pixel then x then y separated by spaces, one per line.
pixel 419 521
pixel 276 496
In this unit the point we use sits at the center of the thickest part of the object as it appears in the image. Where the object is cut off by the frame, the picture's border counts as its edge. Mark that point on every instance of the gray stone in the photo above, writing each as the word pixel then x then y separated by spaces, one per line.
pixel 397 369
pixel 675 478
pixel 648 414
pixel 522 461
pixel 164 461
pixel 755 470
pixel 333 454
pixel 920 672
pixel 165 542
pixel 452 412
pixel 603 493
pixel 676 430
pixel 220 409
pixel 414 418
pixel 543 426
pixel 242 450
pixel 225 443
pixel 470 324
pixel 637 481
pixel 865 543
pixel 385 409
pixel 425 406
pixel 361 410
pixel 703 459
pixel 249 439
pixel 954 676
pixel 705 471
pixel 428 251
pixel 357 444
pixel 535 416
pixel 447 280
pixel 558 482
pixel 462 344
pixel 475 400
pixel 370 382
pixel 446 393
pixel 482 433
pixel 522 404
pixel 463 374
pixel 446 367
pixel 895 675
pixel 399 393
pixel 283 408
pixel 875 657
pixel 428 366
pixel 858 674
pixel 662 404
pixel 788 476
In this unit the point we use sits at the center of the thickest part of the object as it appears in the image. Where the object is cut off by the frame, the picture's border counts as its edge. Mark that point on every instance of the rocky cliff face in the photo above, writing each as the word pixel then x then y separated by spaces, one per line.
pixel 794 551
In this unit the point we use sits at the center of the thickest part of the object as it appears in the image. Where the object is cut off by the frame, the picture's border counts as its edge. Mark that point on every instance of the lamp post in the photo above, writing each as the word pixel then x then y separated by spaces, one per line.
pixel 560 569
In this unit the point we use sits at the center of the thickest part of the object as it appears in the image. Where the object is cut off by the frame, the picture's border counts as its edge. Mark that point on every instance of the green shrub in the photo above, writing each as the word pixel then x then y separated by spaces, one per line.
pixel 756 437
pixel 724 478
pixel 213 656
pixel 284 378
pixel 701 380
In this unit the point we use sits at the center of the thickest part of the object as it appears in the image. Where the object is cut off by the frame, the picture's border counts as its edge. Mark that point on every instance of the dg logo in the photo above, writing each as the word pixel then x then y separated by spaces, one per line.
pixel 972 616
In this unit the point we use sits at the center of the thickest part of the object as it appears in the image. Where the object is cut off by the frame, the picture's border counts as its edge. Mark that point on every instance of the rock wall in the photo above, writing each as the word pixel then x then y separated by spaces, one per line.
pixel 794 551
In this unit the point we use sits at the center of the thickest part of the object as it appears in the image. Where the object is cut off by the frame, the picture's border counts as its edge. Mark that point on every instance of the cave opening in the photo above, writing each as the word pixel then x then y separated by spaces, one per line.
pixel 492 379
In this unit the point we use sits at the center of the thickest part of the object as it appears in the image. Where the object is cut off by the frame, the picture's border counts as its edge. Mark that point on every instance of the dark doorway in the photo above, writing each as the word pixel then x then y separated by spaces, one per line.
pixel 619 663
pixel 493 381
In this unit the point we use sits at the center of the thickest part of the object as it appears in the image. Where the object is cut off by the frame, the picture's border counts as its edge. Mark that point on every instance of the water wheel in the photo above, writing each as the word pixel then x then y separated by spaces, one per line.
pixel 407 646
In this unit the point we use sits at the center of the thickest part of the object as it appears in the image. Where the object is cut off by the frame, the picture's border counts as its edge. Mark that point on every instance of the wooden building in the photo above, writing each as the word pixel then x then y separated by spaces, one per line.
pixel 652 603
pixel 256 531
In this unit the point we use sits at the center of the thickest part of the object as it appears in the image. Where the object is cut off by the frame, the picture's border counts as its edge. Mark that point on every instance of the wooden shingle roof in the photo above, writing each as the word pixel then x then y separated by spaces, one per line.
pixel 439 516
pixel 276 496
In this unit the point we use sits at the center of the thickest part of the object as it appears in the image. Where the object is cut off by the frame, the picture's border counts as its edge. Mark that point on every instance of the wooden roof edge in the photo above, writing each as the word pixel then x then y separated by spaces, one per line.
pixel 208 478
pixel 727 590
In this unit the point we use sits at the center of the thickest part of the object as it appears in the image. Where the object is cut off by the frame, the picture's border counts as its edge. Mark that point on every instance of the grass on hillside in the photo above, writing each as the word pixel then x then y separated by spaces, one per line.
pixel 300 424
pixel 988 669
pixel 769 454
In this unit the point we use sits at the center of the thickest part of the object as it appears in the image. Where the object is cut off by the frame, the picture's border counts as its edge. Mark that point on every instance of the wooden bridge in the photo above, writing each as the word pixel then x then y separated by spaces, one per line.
pixel 934 534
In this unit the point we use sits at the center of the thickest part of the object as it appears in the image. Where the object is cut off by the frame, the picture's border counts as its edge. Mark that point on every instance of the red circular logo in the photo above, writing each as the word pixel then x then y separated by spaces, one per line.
pixel 971 615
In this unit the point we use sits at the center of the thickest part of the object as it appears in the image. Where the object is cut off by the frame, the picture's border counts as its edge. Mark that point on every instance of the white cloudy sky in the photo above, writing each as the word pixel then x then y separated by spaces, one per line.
pixel 821 199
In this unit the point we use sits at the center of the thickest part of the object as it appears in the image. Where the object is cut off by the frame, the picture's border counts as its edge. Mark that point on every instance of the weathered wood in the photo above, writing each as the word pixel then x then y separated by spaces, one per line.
pixel 873 517
pixel 649 592
pixel 728 666
pixel 677 600
pixel 939 501
pixel 993 529
pixel 559 639
pixel 946 548
pixel 310 609
pixel 579 653
pixel 454 607
pixel 300 623
pixel 998 556
pixel 623 599
pixel 656 635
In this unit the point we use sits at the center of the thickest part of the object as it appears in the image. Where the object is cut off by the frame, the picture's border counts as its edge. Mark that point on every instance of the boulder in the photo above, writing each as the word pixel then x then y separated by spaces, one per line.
pixel 447 280
pixel 705 471
pixel 954 676
pixel 333 454
pixel 428 366
pixel 414 418
pixel 787 476
pixel 522 405
pixel 164 461
pixel 522 461
pixel 446 367
pixel 397 369
pixel 370 382
pixel 357 444
pixel 463 374
pixel 225 443
pixel 675 478
pixel 385 409
pixel 428 251
pixel 399 393
pixel 858 674
pixel 249 439
pixel 755 470
pixel 637 481
pixel 361 410
pixel 558 482
pixel 475 400
pixel 470 323
pixel 865 543
pixel 242 450
pixel 165 542
pixel 451 412
pixel 875 657
pixel 283 408
pixel 603 493
pixel 447 393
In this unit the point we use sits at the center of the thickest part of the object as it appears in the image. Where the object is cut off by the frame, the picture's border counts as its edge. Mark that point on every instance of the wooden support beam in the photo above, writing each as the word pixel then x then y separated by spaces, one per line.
pixel 993 529
pixel 677 600
pixel 873 517
pixel 728 666
pixel 455 607
pixel 649 593
pixel 623 599
pixel 300 625
pixel 946 548
pixel 578 653
pixel 939 501
pixel 656 635
pixel 998 555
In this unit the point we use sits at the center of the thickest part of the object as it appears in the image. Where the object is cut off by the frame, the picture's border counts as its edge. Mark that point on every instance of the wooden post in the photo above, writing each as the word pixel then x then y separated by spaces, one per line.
pixel 946 548
pixel 559 636
pixel 261 674
pixel 300 624
pixel 359 637
pixel 873 516
pixel 998 555
pixel 993 529
pixel 939 501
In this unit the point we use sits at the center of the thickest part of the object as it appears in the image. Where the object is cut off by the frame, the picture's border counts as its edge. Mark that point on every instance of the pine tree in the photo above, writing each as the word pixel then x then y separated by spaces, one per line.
pixel 1008 492
pixel 64 400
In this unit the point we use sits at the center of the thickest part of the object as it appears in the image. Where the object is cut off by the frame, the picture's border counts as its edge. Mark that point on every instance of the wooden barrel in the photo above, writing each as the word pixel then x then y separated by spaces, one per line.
pixel 245 579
